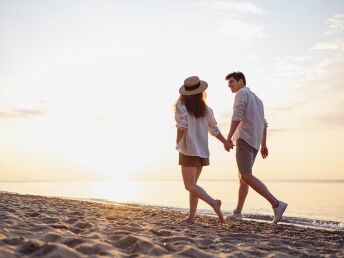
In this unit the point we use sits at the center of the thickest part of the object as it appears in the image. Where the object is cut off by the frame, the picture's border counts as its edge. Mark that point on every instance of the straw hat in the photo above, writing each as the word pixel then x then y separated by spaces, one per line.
pixel 193 85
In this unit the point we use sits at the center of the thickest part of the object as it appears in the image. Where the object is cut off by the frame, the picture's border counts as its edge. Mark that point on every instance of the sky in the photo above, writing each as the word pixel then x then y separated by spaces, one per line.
pixel 87 88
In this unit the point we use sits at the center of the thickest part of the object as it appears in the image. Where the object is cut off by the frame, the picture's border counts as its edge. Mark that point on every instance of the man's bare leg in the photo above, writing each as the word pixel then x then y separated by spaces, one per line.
pixel 259 187
pixel 242 194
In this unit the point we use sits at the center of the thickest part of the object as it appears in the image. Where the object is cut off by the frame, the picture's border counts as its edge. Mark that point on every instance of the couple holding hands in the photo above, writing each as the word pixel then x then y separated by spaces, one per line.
pixel 248 128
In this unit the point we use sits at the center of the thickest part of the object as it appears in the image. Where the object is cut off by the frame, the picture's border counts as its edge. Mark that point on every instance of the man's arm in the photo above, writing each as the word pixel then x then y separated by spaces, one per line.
pixel 234 125
pixel 263 149
pixel 239 109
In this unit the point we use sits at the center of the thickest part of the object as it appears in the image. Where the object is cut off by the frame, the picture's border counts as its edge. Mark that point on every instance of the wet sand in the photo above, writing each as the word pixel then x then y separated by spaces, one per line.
pixel 36 226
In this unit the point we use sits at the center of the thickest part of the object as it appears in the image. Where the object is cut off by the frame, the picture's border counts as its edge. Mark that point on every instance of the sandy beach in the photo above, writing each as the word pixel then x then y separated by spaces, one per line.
pixel 36 226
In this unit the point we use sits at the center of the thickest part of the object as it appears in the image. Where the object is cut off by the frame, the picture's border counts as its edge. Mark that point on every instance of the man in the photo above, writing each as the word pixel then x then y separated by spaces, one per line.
pixel 248 130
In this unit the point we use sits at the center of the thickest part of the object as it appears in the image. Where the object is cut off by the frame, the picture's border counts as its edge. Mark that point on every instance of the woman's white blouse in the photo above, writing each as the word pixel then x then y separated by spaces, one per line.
pixel 195 139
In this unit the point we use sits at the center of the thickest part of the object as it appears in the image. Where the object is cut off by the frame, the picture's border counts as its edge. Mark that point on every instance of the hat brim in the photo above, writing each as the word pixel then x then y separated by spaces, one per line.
pixel 201 88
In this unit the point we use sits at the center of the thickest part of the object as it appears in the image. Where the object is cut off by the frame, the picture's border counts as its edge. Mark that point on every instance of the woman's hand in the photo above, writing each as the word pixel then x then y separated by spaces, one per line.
pixel 228 145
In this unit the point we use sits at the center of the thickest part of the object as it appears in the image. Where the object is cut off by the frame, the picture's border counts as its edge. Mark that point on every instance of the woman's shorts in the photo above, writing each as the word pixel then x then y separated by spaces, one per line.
pixel 192 161
pixel 245 156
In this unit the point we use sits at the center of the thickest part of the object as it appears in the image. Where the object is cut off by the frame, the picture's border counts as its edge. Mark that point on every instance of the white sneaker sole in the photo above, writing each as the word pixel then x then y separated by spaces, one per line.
pixel 276 220
pixel 233 218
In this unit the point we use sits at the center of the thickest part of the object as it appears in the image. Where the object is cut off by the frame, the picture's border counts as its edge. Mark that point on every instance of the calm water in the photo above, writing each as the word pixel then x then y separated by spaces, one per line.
pixel 316 203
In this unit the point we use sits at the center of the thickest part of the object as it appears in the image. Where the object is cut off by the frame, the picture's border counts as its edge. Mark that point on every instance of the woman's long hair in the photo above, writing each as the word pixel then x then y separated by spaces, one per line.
pixel 195 104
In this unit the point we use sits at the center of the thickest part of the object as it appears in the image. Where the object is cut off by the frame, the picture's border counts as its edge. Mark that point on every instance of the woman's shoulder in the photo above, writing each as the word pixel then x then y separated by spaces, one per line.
pixel 179 103
pixel 180 107
pixel 210 112
pixel 209 109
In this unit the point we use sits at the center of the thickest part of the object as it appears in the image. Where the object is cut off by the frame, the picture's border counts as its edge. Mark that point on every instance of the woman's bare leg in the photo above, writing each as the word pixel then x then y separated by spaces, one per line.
pixel 189 177
pixel 193 200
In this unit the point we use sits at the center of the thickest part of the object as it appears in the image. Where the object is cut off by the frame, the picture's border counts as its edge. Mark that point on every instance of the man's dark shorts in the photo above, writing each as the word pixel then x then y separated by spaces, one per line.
pixel 245 156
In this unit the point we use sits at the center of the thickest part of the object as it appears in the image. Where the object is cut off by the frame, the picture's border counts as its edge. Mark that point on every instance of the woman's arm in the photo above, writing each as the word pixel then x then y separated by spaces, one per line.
pixel 222 139
pixel 180 134
pixel 181 121
pixel 215 131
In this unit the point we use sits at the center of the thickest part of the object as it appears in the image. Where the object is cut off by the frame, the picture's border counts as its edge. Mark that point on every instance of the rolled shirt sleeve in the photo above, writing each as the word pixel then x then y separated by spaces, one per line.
pixel 181 116
pixel 239 107
pixel 212 124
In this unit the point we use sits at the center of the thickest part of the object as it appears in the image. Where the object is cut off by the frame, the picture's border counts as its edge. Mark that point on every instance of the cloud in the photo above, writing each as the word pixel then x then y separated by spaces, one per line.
pixel 323 97
pixel 232 24
pixel 322 94
pixel 240 32
pixel 335 24
pixel 312 84
pixel 235 6
pixel 21 113
pixel 336 45
pixel 310 88
pixel 274 131
pixel 280 109
pixel 334 119
pixel 290 72
pixel 105 117
pixel 335 29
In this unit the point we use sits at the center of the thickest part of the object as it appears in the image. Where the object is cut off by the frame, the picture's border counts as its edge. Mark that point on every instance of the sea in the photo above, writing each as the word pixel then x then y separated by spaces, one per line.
pixel 311 203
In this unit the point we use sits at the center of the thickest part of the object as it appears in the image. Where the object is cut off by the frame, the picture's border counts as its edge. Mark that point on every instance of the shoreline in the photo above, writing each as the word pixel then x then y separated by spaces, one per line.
pixel 307 222
pixel 330 225
pixel 321 224
pixel 58 227
pixel 308 208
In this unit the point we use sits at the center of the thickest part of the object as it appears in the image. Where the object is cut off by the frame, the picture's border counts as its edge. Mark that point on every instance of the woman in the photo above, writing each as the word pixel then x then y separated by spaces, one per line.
pixel 194 119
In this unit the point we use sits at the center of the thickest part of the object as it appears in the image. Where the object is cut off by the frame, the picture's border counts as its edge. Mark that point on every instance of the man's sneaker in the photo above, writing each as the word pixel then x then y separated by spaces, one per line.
pixel 234 216
pixel 279 211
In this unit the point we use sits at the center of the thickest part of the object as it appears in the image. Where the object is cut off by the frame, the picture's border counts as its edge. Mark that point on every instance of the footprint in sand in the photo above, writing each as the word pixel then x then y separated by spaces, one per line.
pixel 194 252
pixel 98 249
pixel 30 246
pixel 14 240
pixel 83 225
pixel 161 232
pixel 52 237
pixel 32 214
pixel 72 220
pixel 73 242
pixel 138 245
pixel 49 220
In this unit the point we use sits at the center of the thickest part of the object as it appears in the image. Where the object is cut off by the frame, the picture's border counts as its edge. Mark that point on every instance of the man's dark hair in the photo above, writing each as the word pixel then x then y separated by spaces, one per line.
pixel 237 76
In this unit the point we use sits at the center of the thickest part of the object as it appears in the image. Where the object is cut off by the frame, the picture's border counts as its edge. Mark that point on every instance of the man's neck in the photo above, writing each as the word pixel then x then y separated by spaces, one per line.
pixel 243 86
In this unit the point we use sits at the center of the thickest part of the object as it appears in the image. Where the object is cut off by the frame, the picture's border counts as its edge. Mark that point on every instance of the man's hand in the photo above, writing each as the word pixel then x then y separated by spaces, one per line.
pixel 264 151
pixel 228 145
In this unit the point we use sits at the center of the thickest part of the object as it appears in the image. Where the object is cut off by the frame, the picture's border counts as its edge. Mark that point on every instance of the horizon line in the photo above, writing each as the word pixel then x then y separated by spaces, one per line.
pixel 168 179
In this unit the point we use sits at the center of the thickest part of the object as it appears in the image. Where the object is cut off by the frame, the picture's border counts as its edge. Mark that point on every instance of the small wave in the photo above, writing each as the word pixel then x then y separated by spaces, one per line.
pixel 296 221
pixel 299 221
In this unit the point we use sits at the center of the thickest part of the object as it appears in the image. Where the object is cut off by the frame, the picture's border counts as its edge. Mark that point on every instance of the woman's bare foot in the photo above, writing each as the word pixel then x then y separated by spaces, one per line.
pixel 189 220
pixel 217 208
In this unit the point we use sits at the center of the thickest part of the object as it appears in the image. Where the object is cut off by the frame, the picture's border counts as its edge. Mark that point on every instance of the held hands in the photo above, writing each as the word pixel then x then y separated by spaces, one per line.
pixel 264 151
pixel 228 145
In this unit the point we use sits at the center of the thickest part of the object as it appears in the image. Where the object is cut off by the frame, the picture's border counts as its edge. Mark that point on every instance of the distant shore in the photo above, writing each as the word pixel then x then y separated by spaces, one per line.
pixel 34 226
